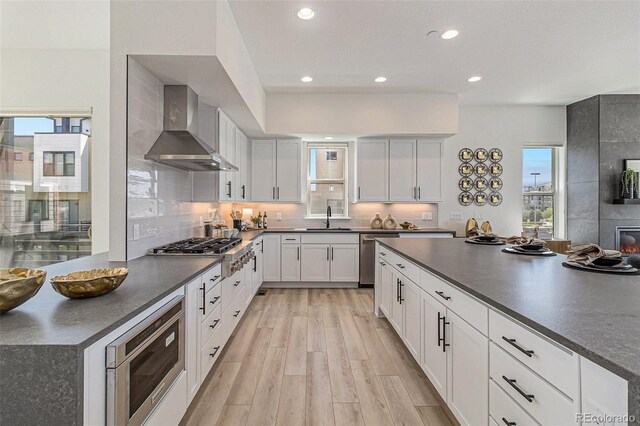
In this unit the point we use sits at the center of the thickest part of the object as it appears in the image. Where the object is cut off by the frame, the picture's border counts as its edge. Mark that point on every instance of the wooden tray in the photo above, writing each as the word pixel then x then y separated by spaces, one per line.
pixel 486 243
pixel 510 250
pixel 574 265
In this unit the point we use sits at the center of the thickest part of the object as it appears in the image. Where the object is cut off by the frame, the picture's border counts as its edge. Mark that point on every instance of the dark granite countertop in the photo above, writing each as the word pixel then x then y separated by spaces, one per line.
pixel 51 319
pixel 596 315
pixel 361 231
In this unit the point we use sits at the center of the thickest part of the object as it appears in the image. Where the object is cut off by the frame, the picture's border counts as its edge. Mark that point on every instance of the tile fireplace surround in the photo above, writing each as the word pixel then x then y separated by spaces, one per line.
pixel 628 239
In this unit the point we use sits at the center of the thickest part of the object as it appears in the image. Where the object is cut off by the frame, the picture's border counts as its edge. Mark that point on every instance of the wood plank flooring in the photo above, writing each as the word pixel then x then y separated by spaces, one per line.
pixel 315 357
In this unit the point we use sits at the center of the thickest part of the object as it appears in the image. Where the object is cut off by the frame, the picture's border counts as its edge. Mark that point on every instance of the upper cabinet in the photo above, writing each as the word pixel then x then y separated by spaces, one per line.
pixel 227 148
pixel 276 170
pixel 399 170
pixel 242 162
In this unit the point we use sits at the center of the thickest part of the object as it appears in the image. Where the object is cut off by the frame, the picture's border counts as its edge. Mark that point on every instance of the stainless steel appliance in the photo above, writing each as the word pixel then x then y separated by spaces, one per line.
pixel 368 256
pixel 143 363
pixel 235 252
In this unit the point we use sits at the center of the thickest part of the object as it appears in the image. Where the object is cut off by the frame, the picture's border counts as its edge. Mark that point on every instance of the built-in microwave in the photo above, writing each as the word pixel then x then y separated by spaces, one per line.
pixel 143 363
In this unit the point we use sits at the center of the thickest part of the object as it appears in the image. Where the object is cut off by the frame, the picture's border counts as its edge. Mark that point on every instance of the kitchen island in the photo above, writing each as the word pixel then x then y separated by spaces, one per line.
pixel 595 315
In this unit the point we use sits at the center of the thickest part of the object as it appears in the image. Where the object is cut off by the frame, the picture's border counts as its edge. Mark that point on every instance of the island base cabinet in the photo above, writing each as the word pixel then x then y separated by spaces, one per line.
pixel 172 407
pixel 434 355
pixel 396 315
pixel 467 371
pixel 384 280
pixel 412 301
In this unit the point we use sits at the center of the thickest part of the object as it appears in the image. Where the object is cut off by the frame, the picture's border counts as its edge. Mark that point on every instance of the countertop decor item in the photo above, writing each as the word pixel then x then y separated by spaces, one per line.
pixel 376 222
pixel 623 269
pixel 389 222
pixel 634 260
pixel 486 228
pixel 408 226
pixel 487 240
pixel 586 254
pixel 471 229
pixel 543 252
pixel 17 285
pixel 82 284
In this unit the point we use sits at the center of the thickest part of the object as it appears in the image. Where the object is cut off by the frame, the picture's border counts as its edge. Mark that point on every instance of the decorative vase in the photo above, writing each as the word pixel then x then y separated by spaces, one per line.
pixel 389 223
pixel 376 222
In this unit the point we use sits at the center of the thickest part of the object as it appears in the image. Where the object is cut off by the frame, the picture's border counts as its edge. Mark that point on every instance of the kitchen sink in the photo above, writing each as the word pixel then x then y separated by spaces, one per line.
pixel 328 229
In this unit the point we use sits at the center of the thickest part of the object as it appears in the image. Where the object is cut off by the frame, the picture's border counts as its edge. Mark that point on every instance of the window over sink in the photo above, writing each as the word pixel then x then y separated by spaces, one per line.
pixel 327 180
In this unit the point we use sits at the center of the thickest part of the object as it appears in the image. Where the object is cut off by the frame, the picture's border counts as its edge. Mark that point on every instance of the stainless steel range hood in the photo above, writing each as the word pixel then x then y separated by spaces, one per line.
pixel 179 145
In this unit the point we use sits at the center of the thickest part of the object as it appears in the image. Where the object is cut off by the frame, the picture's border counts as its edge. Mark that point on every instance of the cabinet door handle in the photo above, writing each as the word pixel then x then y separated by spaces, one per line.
pixel 508 423
pixel 277 192
pixel 204 301
pixel 236 314
pixel 255 264
pixel 397 289
pixel 229 192
pixel 401 287
pixel 298 253
pixel 419 195
pixel 327 253
pixel 274 192
pixel 415 193
pixel 445 323
pixel 513 343
pixel 513 384
pixel 358 193
pixel 215 299
pixel 439 333
pixel 215 351
pixel 243 191
pixel 441 294
pixel 331 253
pixel 214 323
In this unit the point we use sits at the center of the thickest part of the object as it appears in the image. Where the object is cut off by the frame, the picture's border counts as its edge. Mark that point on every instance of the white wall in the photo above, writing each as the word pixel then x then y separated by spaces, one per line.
pixel 508 128
pixel 54 56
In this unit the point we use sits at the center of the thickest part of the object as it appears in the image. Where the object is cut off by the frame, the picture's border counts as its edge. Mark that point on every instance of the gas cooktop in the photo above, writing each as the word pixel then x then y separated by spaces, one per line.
pixel 198 246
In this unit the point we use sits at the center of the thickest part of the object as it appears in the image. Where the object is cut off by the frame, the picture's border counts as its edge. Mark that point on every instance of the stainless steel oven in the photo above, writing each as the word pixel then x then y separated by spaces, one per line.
pixel 143 363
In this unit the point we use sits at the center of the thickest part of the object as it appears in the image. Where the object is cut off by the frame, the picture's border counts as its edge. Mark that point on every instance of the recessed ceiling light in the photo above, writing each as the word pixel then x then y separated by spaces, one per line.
pixel 306 79
pixel 474 79
pixel 449 34
pixel 306 13
pixel 329 138
pixel 380 79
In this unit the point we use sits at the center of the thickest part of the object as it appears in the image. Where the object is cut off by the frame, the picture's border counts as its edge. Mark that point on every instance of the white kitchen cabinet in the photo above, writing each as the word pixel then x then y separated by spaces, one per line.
pixel 271 257
pixel 257 265
pixel 345 262
pixel 373 170
pixel 467 371
pixel 412 302
pixel 602 392
pixel 276 170
pixel 193 293
pixel 315 262
pixel 434 355
pixel 397 314
pixel 242 162
pixel 263 170
pixel 290 264
pixel 384 281
pixel 227 148
pixel 429 170
pixel 402 170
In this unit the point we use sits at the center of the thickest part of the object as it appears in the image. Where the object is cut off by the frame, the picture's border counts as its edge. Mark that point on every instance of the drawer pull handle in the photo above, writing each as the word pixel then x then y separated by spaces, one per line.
pixel 508 423
pixel 399 265
pixel 214 323
pixel 513 343
pixel 289 239
pixel 215 351
pixel 512 382
pixel 236 314
pixel 215 299
pixel 441 294
pixel 383 264
pixel 383 254
pixel 215 278
pixel 237 283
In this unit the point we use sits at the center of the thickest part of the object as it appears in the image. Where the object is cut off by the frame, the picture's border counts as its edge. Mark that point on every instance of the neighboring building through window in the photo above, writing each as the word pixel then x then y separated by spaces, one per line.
pixel 59 163
pixel 31 156
pixel 17 156
pixel 539 191
pixel 327 180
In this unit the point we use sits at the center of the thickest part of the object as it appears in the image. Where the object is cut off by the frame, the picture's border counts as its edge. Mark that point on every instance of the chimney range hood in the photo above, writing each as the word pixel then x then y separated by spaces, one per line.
pixel 179 145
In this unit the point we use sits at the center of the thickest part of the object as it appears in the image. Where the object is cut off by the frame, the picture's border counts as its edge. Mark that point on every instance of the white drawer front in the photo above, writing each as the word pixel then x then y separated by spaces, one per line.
pixel 504 410
pixel 290 239
pixel 211 324
pixel 210 352
pixel 465 306
pixel 231 286
pixel 404 266
pixel 212 277
pixel 558 366
pixel 541 400
pixel 211 299
pixel 329 238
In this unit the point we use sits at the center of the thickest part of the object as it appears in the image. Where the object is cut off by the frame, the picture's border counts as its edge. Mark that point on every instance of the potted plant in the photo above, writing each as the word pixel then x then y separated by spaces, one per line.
pixel 629 183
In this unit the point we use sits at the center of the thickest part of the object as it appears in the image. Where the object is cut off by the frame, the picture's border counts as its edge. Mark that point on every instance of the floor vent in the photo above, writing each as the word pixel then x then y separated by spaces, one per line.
pixel 261 292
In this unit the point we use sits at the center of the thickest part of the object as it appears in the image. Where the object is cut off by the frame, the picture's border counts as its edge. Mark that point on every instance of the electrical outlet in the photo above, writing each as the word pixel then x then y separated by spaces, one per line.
pixel 455 216
pixel 279 216
pixel 427 216
pixel 136 232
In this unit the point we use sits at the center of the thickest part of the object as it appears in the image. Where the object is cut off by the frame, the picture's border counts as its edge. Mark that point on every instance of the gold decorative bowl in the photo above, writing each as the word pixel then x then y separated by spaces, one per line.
pixel 82 284
pixel 17 285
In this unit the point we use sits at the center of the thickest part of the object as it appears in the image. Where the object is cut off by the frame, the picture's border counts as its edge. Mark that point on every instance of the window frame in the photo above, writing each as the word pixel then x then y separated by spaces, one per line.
pixel 344 181
pixel 54 154
pixel 554 194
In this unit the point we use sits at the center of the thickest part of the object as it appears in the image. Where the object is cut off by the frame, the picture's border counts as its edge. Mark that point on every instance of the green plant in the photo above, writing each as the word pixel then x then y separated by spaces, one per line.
pixel 629 182
pixel 255 220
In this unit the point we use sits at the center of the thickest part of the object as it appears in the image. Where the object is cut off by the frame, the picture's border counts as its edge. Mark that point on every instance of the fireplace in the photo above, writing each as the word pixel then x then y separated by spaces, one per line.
pixel 628 239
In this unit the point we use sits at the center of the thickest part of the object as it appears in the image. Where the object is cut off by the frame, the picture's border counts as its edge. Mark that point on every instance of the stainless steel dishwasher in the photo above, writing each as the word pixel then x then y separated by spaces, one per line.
pixel 368 256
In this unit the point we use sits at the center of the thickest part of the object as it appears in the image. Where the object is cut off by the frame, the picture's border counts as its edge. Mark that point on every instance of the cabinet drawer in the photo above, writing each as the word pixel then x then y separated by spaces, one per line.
pixel 290 239
pixel 210 300
pixel 233 314
pixel 504 409
pixel 212 277
pixel 211 324
pixel 465 306
pixel 322 238
pixel 541 400
pixel 231 286
pixel 557 365
pixel 403 266
pixel 210 352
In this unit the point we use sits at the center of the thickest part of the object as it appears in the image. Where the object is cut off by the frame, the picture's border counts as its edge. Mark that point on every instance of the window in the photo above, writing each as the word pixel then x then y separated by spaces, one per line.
pixel 17 156
pixel 539 191
pixel 75 129
pixel 31 156
pixel 38 210
pixel 327 181
pixel 59 163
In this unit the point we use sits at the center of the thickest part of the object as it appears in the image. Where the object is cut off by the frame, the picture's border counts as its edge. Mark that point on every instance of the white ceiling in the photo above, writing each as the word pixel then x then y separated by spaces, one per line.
pixel 528 52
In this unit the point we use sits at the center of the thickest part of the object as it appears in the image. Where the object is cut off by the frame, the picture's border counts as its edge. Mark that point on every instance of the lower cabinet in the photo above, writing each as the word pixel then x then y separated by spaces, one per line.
pixel 315 264
pixel 434 354
pixel 290 263
pixel 396 315
pixel 384 281
pixel 192 325
pixel 345 262
pixel 412 301
pixel 271 257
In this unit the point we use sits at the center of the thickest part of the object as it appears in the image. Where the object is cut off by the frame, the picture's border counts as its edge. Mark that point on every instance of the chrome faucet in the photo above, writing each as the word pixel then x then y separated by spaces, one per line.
pixel 328 216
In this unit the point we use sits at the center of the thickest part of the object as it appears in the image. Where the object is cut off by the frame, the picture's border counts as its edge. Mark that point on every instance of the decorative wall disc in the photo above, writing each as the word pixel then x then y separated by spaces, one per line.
pixel 481 154
pixel 480 198
pixel 480 184
pixel 465 154
pixel 465 184
pixel 465 198
pixel 495 198
pixel 495 184
pixel 495 169
pixel 495 155
pixel 481 169
pixel 466 169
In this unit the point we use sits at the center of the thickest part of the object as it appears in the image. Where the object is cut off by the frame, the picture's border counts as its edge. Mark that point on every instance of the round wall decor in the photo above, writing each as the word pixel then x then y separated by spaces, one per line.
pixel 465 154
pixel 466 169
pixel 495 155
pixel 465 198
pixel 480 184
pixel 465 184
pixel 481 154
pixel 481 169
pixel 495 169
pixel 480 198
pixel 495 199
pixel 495 184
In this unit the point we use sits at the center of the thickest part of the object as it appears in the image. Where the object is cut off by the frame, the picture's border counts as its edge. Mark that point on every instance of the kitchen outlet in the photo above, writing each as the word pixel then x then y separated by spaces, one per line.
pixel 136 232
pixel 427 216
pixel 279 216
pixel 455 216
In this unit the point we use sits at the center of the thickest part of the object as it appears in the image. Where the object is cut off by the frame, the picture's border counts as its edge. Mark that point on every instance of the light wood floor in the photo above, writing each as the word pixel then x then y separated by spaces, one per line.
pixel 315 357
